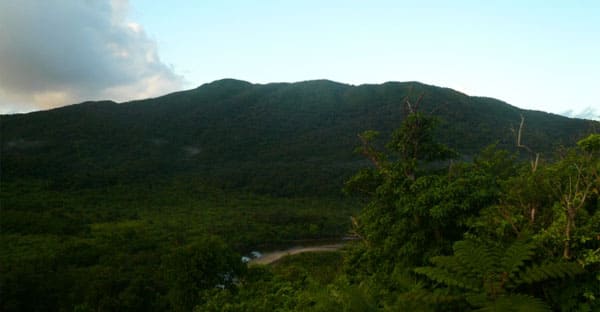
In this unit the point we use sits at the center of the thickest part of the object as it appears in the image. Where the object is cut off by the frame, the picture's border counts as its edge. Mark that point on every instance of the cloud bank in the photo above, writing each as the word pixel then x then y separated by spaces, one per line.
pixel 586 113
pixel 55 52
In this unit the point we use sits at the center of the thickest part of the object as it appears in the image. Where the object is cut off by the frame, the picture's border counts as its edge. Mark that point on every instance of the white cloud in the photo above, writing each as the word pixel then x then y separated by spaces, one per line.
pixel 55 52
pixel 586 113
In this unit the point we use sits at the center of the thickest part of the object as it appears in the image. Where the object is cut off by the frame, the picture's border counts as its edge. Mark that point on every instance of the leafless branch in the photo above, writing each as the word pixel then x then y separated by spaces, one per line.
pixel 369 153
pixel 534 162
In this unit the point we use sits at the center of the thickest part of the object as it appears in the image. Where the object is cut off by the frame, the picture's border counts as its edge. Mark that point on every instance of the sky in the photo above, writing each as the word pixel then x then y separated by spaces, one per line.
pixel 542 55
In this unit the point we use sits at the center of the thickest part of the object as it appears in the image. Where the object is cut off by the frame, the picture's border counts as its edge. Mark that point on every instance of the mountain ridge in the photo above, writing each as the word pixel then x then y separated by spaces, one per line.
pixel 567 114
pixel 275 137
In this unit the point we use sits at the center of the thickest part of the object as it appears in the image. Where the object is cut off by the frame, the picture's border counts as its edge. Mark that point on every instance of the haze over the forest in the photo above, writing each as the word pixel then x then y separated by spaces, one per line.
pixel 534 55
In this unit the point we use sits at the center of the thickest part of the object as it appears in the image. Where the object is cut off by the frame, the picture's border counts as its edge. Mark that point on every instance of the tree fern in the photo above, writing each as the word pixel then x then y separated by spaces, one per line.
pixel 477 258
pixel 488 274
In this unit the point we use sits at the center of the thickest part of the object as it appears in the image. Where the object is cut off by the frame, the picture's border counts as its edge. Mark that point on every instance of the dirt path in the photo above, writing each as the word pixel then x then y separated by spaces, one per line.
pixel 270 257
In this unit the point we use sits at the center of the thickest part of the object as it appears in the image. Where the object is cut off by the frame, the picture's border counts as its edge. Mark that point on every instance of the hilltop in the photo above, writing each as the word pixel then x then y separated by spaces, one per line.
pixel 279 138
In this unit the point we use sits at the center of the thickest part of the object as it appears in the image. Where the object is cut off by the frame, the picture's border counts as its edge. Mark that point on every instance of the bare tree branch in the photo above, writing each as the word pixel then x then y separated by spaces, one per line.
pixel 369 152
pixel 534 163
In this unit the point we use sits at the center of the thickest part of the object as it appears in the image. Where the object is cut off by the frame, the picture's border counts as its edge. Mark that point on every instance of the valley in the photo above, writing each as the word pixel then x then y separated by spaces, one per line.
pixel 148 205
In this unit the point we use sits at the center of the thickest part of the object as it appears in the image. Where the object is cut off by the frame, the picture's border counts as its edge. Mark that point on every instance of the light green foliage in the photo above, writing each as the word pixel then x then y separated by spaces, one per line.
pixel 591 144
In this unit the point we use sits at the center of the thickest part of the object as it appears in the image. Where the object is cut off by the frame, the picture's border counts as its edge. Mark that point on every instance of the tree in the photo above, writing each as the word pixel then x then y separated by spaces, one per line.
pixel 416 200
pixel 556 205
pixel 197 267
pixel 575 180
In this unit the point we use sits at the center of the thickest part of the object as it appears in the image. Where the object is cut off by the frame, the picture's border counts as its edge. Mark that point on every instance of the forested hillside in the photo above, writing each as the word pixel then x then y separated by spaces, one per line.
pixel 150 205
pixel 279 138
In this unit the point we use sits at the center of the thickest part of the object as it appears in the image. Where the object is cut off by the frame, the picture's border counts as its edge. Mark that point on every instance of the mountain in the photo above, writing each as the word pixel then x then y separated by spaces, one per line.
pixel 281 138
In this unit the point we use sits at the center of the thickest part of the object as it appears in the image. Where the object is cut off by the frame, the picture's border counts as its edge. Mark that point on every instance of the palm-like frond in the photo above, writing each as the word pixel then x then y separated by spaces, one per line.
pixel 547 271
pixel 487 273
pixel 515 256
pixel 448 278
pixel 515 303
pixel 477 257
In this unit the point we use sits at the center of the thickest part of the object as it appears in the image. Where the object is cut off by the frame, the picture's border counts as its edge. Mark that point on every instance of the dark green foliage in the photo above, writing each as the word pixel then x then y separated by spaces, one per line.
pixel 197 267
pixel 414 140
pixel 516 302
pixel 281 139
pixel 488 275
pixel 131 243
pixel 492 269
pixel 145 206
pixel 323 267
pixel 295 283
pixel 417 208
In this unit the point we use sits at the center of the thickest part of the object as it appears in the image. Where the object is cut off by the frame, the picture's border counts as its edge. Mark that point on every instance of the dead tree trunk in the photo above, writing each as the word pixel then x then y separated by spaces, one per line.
pixel 534 161
pixel 535 157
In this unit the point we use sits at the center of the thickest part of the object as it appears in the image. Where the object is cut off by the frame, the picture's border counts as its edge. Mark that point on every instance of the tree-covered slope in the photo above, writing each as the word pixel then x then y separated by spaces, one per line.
pixel 280 138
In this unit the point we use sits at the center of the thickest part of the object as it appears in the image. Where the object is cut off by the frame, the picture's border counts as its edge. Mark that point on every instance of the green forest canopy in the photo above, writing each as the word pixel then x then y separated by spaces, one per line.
pixel 281 139
pixel 437 230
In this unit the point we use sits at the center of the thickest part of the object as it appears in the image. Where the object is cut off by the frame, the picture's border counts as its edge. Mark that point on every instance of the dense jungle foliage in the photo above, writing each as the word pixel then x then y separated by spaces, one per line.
pixel 499 230
pixel 494 234
pixel 142 247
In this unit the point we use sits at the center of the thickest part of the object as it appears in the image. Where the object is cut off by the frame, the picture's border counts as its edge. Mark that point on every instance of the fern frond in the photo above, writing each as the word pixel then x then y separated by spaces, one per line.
pixel 477 256
pixel 549 271
pixel 516 303
pixel 515 256
pixel 448 278
pixel 449 263
pixel 429 297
